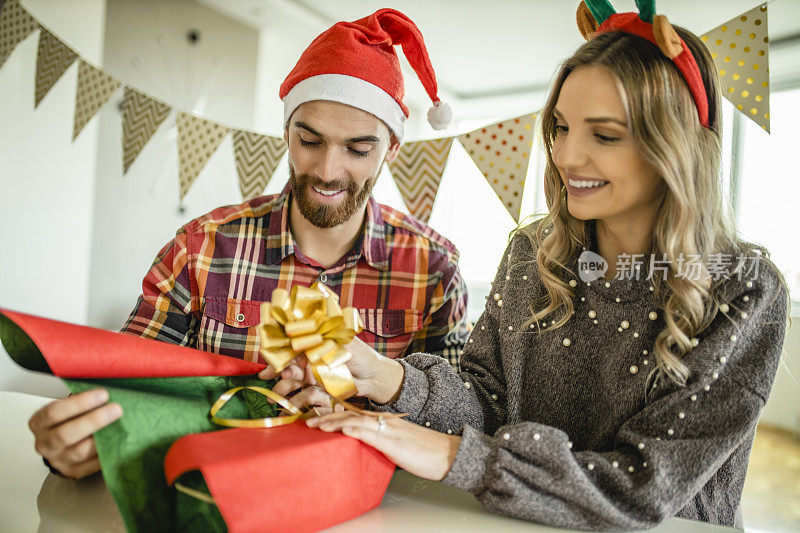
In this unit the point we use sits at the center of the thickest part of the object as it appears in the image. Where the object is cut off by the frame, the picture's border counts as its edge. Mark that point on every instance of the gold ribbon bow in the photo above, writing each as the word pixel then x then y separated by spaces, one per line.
pixel 308 321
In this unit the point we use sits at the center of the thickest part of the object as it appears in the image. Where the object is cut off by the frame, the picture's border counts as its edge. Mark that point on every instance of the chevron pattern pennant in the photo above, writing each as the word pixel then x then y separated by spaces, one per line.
pixel 257 156
pixel 740 49
pixel 198 139
pixel 15 25
pixel 501 152
pixel 141 116
pixel 52 61
pixel 95 87
pixel 418 170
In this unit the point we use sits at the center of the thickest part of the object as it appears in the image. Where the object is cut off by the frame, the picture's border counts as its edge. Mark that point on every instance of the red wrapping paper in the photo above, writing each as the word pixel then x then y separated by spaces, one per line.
pixel 316 479
pixel 82 352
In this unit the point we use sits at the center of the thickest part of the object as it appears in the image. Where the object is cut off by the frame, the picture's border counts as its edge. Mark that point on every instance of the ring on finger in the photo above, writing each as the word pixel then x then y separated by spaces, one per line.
pixel 381 423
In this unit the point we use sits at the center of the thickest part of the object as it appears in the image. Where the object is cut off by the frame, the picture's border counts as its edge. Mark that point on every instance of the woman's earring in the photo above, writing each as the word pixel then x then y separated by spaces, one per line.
pixel 564 195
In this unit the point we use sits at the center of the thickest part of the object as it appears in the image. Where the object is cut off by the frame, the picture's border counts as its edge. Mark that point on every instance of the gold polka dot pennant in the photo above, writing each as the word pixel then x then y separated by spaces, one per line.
pixel 740 49
pixel 198 139
pixel 257 157
pixel 418 170
pixel 15 25
pixel 501 152
pixel 95 87
pixel 141 116
pixel 52 60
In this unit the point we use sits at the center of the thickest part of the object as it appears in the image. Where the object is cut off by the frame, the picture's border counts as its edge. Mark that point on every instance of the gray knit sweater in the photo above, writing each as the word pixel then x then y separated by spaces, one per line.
pixel 563 428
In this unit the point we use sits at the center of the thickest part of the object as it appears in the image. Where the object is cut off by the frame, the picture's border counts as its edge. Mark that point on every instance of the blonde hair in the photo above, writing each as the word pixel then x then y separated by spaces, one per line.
pixel 691 218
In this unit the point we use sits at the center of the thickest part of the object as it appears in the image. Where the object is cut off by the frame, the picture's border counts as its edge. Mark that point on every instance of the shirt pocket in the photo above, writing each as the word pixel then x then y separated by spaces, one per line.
pixel 390 331
pixel 226 327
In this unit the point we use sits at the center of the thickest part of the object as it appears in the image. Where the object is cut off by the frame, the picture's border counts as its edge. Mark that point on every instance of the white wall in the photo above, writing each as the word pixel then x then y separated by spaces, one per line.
pixel 136 214
pixel 46 184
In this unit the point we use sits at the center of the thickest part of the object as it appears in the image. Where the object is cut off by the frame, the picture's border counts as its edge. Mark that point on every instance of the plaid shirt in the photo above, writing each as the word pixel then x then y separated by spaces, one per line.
pixel 206 286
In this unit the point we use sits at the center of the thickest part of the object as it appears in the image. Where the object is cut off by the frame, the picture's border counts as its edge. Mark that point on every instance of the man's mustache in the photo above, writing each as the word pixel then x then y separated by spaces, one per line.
pixel 337 185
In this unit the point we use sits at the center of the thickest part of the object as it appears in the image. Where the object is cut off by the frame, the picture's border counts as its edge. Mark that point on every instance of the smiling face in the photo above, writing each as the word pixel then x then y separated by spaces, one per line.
pixel 595 154
pixel 335 155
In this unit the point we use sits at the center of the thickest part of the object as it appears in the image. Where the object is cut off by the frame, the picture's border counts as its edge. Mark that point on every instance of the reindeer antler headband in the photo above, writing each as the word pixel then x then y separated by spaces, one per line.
pixel 598 16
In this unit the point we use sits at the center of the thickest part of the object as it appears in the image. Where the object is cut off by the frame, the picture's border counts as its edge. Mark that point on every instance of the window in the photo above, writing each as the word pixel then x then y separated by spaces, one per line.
pixel 769 186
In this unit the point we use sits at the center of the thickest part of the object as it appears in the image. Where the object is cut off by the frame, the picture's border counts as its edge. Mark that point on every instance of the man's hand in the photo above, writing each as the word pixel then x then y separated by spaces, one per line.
pixel 63 430
pixel 376 377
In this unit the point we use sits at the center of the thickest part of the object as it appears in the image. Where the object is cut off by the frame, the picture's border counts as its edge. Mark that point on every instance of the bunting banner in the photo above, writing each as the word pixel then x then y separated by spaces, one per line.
pixel 95 87
pixel 501 152
pixel 418 170
pixel 15 25
pixel 257 157
pixel 740 49
pixel 52 60
pixel 141 116
pixel 198 139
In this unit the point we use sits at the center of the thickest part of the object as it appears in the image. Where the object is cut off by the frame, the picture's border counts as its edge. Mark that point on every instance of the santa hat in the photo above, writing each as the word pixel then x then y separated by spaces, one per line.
pixel 354 63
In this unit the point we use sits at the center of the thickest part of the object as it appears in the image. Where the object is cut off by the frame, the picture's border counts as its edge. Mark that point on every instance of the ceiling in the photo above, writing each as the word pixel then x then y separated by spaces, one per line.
pixel 501 48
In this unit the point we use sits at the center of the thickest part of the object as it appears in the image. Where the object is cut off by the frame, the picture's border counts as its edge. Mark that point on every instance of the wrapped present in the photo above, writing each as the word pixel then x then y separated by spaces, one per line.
pixel 165 391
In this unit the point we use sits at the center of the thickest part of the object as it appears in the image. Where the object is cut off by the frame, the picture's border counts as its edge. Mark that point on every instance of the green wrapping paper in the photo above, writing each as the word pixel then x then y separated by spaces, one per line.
pixel 157 411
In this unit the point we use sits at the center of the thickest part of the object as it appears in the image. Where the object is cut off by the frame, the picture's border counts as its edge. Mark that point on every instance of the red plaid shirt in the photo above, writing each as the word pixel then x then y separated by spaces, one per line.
pixel 206 286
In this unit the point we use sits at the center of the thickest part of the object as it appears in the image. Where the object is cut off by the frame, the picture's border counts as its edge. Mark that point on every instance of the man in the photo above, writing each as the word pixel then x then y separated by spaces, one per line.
pixel 343 118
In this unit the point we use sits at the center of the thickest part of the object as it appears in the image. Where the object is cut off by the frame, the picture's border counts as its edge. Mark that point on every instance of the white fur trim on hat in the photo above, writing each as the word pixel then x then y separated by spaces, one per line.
pixel 347 90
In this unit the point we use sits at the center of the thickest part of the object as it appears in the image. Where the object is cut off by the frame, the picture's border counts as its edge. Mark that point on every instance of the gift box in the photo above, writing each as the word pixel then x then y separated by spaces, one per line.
pixel 166 392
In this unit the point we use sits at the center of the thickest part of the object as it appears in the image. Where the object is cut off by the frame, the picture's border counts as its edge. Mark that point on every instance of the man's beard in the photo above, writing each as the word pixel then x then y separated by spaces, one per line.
pixel 328 216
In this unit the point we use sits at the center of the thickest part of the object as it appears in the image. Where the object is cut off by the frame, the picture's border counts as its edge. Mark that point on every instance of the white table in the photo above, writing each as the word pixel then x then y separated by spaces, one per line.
pixel 33 500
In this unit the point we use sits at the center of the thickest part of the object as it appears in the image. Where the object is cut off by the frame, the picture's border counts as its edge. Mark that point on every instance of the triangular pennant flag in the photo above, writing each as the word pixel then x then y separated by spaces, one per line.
pixel 257 157
pixel 52 61
pixel 197 141
pixel 15 25
pixel 95 87
pixel 502 151
pixel 740 49
pixel 141 116
pixel 417 170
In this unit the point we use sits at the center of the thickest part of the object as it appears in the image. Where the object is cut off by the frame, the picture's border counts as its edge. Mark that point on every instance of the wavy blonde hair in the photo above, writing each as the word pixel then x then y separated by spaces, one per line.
pixel 691 217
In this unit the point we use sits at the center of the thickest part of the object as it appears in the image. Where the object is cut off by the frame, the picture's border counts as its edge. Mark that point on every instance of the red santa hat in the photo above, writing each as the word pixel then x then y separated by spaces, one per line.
pixel 354 63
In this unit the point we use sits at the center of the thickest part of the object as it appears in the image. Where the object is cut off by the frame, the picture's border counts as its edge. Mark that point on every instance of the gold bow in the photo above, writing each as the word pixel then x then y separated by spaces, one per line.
pixel 309 322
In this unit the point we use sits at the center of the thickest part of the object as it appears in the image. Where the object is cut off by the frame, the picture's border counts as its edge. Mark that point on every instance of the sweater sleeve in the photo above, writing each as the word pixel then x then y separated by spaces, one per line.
pixel 433 394
pixel 662 456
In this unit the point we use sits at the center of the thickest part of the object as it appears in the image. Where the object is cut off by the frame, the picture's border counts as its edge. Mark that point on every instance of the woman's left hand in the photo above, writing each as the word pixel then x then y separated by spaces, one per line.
pixel 423 452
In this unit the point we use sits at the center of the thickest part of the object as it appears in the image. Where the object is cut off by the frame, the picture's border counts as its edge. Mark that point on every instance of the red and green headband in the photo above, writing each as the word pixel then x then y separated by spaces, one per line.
pixel 598 16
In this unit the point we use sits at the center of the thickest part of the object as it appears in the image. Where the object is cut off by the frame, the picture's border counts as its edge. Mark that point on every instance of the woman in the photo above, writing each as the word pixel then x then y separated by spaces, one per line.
pixel 614 403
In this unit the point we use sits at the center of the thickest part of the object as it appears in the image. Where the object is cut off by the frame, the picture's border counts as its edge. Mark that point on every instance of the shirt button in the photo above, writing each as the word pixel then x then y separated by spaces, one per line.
pixel 240 317
pixel 323 278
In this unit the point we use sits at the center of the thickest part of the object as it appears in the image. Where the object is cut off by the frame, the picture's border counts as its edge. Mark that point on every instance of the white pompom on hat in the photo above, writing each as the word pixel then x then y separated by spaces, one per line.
pixel 354 63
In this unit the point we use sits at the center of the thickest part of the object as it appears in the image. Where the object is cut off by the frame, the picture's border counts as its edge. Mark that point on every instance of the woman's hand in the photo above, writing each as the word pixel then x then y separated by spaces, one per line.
pixel 376 377
pixel 423 452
